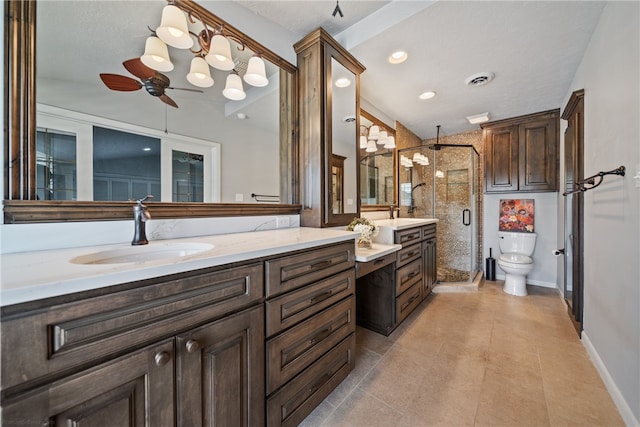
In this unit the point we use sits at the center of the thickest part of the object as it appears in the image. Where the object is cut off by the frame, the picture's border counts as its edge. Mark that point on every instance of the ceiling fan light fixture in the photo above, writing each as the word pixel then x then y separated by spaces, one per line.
pixel 374 132
pixel 219 55
pixel 173 29
pixel 233 89
pixel 156 55
pixel 199 73
pixel 382 137
pixel 256 74
pixel 363 142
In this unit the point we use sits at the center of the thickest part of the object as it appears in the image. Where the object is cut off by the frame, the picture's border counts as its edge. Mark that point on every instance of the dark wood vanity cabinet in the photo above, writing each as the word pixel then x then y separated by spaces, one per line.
pixel 392 286
pixel 521 153
pixel 310 318
pixel 429 259
pixel 158 352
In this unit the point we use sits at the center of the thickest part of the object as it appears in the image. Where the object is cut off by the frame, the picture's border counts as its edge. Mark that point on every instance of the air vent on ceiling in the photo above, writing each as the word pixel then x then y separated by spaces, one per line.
pixel 479 79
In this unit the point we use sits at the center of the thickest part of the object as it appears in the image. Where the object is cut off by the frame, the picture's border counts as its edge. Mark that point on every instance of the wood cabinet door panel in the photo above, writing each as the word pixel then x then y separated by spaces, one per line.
pixel 407 254
pixel 429 261
pixel 408 237
pixel 407 302
pixel 501 159
pixel 220 372
pixel 538 156
pixel 409 275
pixel 134 390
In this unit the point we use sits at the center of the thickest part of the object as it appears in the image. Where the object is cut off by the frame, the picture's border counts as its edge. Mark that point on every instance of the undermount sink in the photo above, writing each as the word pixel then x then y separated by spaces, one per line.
pixel 143 253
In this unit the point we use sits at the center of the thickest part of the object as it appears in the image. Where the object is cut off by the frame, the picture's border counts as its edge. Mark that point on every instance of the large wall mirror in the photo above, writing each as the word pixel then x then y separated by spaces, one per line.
pixel 97 144
pixel 377 183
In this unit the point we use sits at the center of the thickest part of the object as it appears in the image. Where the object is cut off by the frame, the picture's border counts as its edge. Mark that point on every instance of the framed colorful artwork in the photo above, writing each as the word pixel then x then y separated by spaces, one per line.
pixel 517 215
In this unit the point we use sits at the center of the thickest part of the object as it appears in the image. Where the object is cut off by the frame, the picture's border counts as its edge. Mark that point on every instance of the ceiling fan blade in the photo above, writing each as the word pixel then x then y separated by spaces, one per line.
pixel 138 69
pixel 187 89
pixel 168 101
pixel 118 82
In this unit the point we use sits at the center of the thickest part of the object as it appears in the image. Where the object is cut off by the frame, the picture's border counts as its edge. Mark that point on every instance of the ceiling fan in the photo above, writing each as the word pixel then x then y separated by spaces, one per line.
pixel 154 82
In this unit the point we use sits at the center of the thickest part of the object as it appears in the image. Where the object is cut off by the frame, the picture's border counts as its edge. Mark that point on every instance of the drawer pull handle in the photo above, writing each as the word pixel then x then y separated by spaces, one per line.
pixel 410 254
pixel 320 336
pixel 408 303
pixel 326 377
pixel 378 261
pixel 192 346
pixel 321 264
pixel 162 358
pixel 413 274
pixel 323 296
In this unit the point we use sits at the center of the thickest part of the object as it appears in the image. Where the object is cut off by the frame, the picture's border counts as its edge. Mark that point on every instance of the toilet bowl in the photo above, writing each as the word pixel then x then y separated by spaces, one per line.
pixel 515 260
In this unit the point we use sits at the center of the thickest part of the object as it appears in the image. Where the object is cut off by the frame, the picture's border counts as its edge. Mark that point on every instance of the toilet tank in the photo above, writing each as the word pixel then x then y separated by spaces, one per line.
pixel 517 243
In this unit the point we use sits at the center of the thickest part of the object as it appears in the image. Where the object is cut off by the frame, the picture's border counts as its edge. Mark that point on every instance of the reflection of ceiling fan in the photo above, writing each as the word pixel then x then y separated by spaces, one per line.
pixel 154 82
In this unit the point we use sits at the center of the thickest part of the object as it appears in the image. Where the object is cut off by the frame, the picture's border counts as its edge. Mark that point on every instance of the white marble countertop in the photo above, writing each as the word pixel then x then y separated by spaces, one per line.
pixel 29 276
pixel 377 250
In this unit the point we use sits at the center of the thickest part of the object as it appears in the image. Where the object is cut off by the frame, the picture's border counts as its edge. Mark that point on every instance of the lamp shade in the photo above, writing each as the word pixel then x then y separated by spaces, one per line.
pixel 382 137
pixel 219 55
pixel 391 142
pixel 256 75
pixel 156 55
pixel 363 142
pixel 374 132
pixel 173 29
pixel 371 146
pixel 199 73
pixel 233 89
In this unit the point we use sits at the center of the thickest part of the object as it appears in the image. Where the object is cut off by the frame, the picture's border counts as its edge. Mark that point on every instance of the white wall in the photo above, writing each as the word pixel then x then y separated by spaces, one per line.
pixel 610 75
pixel 544 272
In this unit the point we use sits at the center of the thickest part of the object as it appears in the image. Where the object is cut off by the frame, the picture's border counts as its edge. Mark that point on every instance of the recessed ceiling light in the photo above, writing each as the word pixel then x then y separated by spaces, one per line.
pixel 343 82
pixel 146 149
pixel 480 79
pixel 427 95
pixel 479 118
pixel 398 57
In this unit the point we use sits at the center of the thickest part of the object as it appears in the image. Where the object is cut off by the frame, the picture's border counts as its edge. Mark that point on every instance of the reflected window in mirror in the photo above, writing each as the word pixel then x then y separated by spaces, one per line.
pixel 55 165
pixel 188 177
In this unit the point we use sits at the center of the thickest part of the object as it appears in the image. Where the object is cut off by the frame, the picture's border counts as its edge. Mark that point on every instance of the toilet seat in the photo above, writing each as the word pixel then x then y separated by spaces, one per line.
pixel 516 259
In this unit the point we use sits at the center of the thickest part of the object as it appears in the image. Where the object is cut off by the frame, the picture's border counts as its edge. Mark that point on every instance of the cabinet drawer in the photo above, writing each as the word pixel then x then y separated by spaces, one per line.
pixel 408 254
pixel 289 309
pixel 291 352
pixel 429 232
pixel 407 302
pixel 364 268
pixel 292 403
pixel 409 236
pixel 291 272
pixel 408 275
pixel 74 334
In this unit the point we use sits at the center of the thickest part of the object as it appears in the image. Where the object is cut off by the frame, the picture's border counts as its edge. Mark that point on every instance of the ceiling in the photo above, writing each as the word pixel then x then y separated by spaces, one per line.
pixel 532 47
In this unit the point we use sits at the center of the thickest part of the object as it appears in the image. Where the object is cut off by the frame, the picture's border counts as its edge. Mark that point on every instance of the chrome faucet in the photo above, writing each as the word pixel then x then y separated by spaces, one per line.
pixel 392 209
pixel 140 216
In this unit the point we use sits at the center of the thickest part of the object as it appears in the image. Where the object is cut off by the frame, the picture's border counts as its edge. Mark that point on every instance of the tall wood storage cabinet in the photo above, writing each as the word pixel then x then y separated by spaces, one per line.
pixel 521 153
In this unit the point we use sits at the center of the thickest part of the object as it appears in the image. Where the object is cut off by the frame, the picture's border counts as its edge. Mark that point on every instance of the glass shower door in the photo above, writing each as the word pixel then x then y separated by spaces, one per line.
pixel 455 206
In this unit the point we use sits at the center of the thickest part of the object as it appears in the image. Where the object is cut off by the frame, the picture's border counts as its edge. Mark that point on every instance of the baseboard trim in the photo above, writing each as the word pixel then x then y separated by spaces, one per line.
pixel 624 409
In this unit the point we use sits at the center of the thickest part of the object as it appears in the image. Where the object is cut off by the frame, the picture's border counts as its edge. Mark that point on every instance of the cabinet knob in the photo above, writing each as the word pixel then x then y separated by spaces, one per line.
pixel 162 358
pixel 192 346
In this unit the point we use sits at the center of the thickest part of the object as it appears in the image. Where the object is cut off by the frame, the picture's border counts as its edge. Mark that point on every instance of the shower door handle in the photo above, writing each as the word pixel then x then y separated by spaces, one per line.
pixel 466 217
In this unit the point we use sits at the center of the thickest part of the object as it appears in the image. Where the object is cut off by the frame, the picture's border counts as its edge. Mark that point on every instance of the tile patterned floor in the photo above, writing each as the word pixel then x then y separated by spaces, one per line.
pixel 473 359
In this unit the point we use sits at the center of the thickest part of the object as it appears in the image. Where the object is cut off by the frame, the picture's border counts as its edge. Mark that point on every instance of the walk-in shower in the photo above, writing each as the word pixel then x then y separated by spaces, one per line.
pixel 445 186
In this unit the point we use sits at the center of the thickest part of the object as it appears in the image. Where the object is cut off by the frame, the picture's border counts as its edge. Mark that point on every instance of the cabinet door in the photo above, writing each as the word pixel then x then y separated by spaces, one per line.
pixel 538 155
pixel 430 270
pixel 133 390
pixel 501 159
pixel 220 372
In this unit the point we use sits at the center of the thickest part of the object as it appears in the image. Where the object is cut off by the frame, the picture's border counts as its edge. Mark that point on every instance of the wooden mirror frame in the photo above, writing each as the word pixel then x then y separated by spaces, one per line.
pixel 20 205
pixel 391 131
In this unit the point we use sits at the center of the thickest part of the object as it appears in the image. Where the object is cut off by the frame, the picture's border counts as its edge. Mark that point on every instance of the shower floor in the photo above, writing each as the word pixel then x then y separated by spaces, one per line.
pixel 448 274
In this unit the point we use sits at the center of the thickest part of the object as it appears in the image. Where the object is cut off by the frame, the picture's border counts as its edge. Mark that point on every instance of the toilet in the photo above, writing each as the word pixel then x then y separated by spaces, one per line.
pixel 515 260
